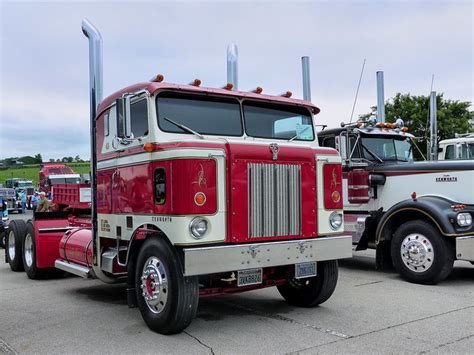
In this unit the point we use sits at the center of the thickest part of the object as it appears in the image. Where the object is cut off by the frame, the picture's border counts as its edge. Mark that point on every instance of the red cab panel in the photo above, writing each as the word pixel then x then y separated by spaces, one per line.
pixel 332 176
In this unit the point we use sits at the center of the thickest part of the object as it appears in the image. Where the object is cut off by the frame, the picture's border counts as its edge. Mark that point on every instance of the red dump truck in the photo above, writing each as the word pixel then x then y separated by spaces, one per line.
pixel 194 192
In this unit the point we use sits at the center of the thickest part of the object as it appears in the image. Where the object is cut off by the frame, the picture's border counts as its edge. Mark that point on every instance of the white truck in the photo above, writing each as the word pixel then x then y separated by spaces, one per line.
pixel 460 147
pixel 417 215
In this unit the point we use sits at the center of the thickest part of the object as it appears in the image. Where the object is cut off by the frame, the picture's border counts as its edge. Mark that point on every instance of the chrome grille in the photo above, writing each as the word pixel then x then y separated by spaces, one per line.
pixel 274 199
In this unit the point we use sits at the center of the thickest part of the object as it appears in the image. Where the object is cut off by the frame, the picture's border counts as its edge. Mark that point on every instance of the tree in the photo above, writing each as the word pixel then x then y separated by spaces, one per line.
pixel 39 158
pixel 78 159
pixel 452 115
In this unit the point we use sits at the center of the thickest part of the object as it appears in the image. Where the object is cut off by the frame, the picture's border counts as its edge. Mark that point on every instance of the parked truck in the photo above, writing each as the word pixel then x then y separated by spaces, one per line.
pixel 460 147
pixel 195 192
pixel 52 174
pixel 416 214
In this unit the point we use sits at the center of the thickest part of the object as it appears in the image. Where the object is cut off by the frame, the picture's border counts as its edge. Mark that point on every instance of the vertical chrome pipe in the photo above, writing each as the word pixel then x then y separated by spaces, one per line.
pixel 380 98
pixel 433 128
pixel 95 77
pixel 232 65
pixel 306 78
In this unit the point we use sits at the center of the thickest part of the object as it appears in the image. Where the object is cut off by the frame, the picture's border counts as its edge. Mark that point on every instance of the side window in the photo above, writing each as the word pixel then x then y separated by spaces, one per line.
pixel 106 125
pixel 139 118
pixel 329 142
pixel 160 186
pixel 449 152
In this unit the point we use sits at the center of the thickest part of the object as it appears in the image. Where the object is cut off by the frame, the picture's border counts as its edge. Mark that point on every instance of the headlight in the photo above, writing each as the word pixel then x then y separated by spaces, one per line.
pixel 464 219
pixel 335 220
pixel 198 227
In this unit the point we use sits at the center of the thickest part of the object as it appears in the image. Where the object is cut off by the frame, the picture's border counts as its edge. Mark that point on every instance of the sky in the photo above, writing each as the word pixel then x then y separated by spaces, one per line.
pixel 44 91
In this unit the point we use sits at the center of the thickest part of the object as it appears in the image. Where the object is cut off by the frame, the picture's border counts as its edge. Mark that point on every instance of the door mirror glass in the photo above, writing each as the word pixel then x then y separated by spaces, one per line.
pixel 123 117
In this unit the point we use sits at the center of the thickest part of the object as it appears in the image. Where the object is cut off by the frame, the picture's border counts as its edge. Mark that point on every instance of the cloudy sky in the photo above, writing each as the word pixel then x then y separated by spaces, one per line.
pixel 44 61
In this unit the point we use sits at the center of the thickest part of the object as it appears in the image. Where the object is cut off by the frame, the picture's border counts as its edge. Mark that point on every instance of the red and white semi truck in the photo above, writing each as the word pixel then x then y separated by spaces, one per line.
pixel 52 174
pixel 195 192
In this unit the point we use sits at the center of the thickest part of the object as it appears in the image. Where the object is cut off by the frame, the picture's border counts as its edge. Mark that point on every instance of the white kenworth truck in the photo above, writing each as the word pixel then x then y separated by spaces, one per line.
pixel 417 215
pixel 458 148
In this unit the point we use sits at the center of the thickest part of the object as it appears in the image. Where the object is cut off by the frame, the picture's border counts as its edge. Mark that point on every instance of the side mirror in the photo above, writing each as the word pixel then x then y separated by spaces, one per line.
pixel 123 117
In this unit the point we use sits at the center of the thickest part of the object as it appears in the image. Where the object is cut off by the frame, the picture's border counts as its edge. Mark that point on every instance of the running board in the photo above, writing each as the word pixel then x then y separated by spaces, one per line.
pixel 75 269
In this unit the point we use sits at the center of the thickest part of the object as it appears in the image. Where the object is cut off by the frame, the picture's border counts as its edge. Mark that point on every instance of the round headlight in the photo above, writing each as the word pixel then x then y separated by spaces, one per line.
pixel 464 219
pixel 335 220
pixel 198 227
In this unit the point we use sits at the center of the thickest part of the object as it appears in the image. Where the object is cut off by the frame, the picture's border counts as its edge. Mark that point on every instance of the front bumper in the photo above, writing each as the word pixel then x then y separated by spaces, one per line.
pixel 465 248
pixel 210 260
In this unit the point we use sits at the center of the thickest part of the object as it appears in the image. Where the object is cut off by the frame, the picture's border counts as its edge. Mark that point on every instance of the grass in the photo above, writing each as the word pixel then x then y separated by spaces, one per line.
pixel 31 172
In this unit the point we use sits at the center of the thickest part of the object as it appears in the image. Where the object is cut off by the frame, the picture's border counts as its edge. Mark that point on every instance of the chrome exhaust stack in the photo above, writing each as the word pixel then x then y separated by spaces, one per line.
pixel 232 65
pixel 95 83
pixel 306 78
pixel 380 98
pixel 433 151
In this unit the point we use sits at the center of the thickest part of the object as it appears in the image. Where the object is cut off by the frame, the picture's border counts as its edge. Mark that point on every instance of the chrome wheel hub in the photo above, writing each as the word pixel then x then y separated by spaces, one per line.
pixel 11 245
pixel 28 250
pixel 154 284
pixel 417 252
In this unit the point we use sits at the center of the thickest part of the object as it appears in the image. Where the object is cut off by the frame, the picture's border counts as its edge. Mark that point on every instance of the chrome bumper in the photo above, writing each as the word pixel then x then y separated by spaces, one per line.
pixel 210 260
pixel 465 248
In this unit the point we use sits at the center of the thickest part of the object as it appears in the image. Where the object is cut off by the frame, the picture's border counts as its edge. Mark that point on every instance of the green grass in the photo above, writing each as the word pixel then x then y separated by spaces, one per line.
pixel 31 172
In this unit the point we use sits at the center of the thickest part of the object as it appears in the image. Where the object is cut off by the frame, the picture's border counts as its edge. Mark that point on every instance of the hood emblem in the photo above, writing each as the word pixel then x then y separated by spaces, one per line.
pixel 274 149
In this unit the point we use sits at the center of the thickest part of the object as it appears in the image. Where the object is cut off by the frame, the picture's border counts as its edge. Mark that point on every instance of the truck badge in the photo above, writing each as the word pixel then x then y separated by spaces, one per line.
pixel 334 181
pixel 274 149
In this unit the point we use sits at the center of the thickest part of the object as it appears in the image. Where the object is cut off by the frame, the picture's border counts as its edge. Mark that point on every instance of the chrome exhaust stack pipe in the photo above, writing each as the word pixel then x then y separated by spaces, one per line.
pixel 95 77
pixel 232 65
pixel 306 78
pixel 433 153
pixel 380 98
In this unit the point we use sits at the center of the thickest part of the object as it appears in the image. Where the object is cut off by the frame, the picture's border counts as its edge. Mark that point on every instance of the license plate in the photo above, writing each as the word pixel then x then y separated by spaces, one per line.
pixel 305 270
pixel 249 277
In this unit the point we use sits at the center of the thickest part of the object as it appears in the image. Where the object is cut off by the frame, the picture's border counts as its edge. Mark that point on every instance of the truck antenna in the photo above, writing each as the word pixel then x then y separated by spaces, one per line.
pixel 357 92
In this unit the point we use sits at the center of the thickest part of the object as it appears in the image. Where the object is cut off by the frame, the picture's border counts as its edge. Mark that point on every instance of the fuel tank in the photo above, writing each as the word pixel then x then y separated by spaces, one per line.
pixel 76 247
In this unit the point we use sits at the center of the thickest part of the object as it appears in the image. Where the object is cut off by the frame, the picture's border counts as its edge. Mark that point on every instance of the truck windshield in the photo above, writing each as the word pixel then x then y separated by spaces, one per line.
pixel 460 151
pixel 275 122
pixel 386 149
pixel 203 115
pixel 64 181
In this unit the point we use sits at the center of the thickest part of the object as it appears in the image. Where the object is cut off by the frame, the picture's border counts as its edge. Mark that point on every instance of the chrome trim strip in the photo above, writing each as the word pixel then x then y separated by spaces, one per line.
pixel 210 260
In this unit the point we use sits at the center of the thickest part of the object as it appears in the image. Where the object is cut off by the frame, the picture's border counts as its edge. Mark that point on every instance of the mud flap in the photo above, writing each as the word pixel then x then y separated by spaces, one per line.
pixel 383 257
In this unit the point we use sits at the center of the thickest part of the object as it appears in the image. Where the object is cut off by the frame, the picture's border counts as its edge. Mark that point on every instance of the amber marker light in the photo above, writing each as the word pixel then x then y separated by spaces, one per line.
pixel 195 82
pixel 257 90
pixel 159 78
pixel 228 86
pixel 336 196
pixel 149 147
pixel 200 198
pixel 287 94
pixel 404 129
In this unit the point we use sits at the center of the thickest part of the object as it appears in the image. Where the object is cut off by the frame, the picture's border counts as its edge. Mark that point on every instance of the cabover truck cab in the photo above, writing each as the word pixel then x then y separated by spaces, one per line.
pixel 198 192
pixel 460 147
pixel 52 174
pixel 417 215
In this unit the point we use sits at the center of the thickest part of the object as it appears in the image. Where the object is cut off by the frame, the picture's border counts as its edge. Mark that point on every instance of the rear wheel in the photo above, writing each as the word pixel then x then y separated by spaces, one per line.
pixel 16 232
pixel 29 253
pixel 420 254
pixel 311 291
pixel 167 300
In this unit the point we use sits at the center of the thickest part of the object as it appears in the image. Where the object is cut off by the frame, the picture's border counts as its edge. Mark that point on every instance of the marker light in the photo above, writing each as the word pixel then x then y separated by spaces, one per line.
pixel 257 90
pixel 287 94
pixel 200 198
pixel 159 78
pixel 195 82
pixel 149 147
pixel 228 86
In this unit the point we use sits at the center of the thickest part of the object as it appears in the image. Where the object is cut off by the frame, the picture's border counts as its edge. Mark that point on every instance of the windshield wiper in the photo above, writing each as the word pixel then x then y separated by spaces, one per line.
pixel 296 136
pixel 184 128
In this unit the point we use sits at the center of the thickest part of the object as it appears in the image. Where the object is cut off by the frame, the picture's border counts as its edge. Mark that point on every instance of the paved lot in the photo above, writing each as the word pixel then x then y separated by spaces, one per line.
pixel 370 312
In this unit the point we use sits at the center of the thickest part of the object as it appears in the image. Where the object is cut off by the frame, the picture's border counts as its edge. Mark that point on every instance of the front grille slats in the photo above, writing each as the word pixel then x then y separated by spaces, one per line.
pixel 274 199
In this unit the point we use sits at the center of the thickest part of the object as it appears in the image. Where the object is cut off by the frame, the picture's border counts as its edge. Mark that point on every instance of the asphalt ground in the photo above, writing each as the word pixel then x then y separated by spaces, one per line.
pixel 370 312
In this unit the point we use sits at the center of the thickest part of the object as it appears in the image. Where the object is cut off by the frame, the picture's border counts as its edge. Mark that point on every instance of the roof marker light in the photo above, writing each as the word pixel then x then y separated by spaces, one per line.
pixel 287 94
pixel 195 82
pixel 257 90
pixel 228 86
pixel 158 78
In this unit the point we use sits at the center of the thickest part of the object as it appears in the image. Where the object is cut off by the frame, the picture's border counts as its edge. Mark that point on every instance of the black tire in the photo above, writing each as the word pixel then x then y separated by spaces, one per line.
pixel 29 253
pixel 431 258
pixel 13 246
pixel 3 237
pixel 177 298
pixel 312 291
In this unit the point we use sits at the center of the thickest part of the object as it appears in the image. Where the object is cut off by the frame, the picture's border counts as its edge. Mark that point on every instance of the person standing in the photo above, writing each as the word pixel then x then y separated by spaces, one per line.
pixel 23 201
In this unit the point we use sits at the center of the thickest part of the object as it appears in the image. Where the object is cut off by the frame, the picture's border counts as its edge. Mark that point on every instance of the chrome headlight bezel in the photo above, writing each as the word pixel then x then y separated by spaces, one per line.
pixel 464 219
pixel 198 227
pixel 335 221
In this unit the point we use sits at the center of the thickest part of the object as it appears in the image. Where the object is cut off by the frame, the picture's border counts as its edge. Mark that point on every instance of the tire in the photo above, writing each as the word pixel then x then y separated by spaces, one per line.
pixel 420 254
pixel 29 253
pixel 177 296
pixel 14 239
pixel 2 239
pixel 312 291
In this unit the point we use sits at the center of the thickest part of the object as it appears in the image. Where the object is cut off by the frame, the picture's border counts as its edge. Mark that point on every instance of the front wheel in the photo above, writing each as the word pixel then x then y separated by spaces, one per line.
pixel 312 291
pixel 420 254
pixel 167 300
pixel 16 231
